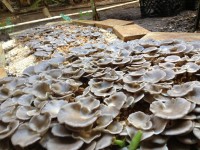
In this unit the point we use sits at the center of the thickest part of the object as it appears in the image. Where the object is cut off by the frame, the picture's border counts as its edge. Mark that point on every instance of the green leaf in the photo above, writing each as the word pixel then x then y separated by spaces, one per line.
pixel 135 140
pixel 120 143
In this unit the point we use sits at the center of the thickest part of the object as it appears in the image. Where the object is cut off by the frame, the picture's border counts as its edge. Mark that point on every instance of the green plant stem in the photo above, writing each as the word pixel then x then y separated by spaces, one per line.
pixel 120 143
pixel 135 140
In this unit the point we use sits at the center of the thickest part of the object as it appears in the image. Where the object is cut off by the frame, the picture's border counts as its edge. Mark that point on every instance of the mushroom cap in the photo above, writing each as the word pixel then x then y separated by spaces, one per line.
pixel 64 144
pixel 62 88
pixel 159 124
pixel 191 67
pixel 102 122
pixel 104 141
pixel 53 107
pixel 114 128
pixel 74 115
pixel 23 112
pixel 40 90
pixel 196 132
pixel 59 130
pixel 25 100
pixel 89 102
pixel 180 90
pixel 40 123
pixel 140 120
pixel 170 74
pixel 154 76
pixel 85 136
pixel 109 110
pixel 6 129
pixel 116 100
pixel 180 127
pixel 24 136
pixel 173 58
pixel 131 79
pixel 133 87
pixel 153 89
pixel 132 131
pixel 188 139
pixel 165 109
pixel 193 95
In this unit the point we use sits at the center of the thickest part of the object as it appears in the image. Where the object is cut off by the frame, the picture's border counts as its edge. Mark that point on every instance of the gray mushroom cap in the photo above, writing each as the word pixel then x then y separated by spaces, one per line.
pixel 85 136
pixel 60 131
pixel 140 120
pixel 90 102
pixel 165 109
pixel 154 76
pixel 193 95
pixel 116 100
pixel 24 136
pixel 180 90
pixel 74 115
pixel 7 129
pixel 64 144
pixel 53 107
pixel 179 127
pixel 104 141
pixel 40 123
pixel 114 128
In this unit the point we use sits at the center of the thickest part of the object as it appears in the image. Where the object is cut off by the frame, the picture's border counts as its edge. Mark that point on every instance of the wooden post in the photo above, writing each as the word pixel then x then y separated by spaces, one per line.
pixel 95 14
pixel 8 6
pixel 46 9
pixel 198 18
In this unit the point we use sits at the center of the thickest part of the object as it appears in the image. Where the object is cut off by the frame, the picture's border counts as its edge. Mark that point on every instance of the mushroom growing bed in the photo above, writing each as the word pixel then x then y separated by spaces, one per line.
pixel 90 94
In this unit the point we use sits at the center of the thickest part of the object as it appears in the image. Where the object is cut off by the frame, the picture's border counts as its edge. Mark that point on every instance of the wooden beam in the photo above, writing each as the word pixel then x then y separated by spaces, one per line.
pixel 8 6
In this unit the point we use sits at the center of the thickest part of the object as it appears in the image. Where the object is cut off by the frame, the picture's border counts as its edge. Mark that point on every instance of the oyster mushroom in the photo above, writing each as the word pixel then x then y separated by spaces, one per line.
pixel 133 87
pixel 140 120
pixel 179 127
pixel 62 88
pixel 132 131
pixel 25 100
pixel 116 100
pixel 7 129
pixel 193 95
pixel 109 110
pixel 40 123
pixel 102 122
pixel 172 58
pixel 89 102
pixel 74 115
pixel 131 79
pixel 104 141
pixel 196 132
pixel 85 136
pixel 165 109
pixel 23 112
pixel 24 136
pixel 53 107
pixel 60 131
pixel 180 90
pixel 153 88
pixel 154 76
pixel 64 144
pixel 41 90
pixel 114 128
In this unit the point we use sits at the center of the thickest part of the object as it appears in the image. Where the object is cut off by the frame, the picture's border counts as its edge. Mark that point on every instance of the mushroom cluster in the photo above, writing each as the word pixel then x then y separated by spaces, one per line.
pixel 51 39
pixel 98 92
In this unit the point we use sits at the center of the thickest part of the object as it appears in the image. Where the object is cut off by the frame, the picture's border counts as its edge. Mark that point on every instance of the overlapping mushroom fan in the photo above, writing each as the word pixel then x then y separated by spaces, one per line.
pixel 105 91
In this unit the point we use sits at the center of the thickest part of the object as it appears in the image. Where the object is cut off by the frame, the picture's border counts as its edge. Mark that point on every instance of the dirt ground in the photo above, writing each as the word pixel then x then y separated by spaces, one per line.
pixel 183 22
